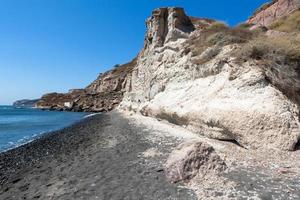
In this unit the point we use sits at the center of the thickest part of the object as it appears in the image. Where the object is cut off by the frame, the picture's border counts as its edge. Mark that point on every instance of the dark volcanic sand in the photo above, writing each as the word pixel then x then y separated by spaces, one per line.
pixel 98 158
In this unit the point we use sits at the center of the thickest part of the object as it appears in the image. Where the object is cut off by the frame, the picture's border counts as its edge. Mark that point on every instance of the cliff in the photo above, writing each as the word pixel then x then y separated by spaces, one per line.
pixel 270 12
pixel 220 82
pixel 104 94
pixel 26 103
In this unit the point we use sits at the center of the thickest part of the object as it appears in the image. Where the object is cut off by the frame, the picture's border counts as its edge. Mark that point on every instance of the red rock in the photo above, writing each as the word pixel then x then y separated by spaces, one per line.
pixel 274 11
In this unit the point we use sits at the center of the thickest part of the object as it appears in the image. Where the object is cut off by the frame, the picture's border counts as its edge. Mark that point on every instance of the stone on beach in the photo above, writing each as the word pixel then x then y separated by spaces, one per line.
pixel 193 158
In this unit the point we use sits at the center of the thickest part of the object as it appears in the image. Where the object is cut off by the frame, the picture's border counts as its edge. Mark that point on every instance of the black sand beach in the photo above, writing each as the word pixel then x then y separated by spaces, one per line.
pixel 109 156
pixel 98 158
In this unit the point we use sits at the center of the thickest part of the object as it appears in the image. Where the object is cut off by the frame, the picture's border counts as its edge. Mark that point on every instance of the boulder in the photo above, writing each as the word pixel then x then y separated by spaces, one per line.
pixel 193 158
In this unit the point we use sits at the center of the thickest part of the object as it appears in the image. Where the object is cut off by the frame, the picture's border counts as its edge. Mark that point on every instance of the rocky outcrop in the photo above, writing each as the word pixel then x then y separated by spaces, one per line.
pixel 188 75
pixel 26 103
pixel 59 101
pixel 191 159
pixel 270 12
pixel 80 102
pixel 219 98
pixel 104 94
pixel 167 24
pixel 113 80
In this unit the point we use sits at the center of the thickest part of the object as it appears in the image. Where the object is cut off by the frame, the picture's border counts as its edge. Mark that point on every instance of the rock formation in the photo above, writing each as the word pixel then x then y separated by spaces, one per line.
pixel 193 158
pixel 167 24
pixel 270 12
pixel 26 103
pixel 104 94
pixel 189 76
pixel 221 98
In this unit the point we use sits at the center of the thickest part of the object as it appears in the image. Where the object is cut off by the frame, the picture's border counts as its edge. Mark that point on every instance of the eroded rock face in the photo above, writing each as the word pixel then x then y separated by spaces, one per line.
pixel 275 10
pixel 103 95
pixel 113 80
pixel 167 24
pixel 220 99
pixel 193 158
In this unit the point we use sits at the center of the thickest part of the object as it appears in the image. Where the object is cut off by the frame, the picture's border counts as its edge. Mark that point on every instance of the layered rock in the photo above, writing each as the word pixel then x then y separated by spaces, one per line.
pixel 167 24
pixel 210 92
pixel 113 80
pixel 220 98
pixel 104 94
pixel 270 12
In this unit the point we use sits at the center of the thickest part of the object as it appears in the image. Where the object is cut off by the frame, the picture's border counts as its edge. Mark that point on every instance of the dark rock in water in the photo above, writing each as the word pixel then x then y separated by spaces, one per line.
pixel 26 103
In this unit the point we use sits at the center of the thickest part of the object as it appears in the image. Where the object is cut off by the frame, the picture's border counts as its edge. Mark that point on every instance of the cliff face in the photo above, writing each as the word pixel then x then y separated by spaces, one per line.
pixel 190 73
pixel 113 80
pixel 165 25
pixel 270 12
pixel 104 94
pixel 219 97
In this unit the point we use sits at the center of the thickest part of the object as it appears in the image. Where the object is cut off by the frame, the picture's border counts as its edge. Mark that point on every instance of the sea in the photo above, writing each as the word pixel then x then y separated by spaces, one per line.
pixel 22 125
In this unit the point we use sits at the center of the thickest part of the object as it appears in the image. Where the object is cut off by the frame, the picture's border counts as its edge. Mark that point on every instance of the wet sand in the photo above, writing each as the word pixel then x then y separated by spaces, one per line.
pixel 102 157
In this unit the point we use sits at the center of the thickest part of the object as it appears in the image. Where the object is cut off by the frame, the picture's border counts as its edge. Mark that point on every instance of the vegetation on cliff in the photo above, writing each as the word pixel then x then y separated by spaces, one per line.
pixel 264 6
pixel 217 35
pixel 289 23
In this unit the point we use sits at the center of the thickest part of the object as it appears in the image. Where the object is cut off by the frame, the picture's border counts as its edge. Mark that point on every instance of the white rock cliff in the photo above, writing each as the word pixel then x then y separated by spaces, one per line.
pixel 219 99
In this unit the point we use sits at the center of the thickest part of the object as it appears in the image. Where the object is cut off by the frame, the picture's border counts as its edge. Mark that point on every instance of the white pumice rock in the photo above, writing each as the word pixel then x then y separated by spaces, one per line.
pixel 219 99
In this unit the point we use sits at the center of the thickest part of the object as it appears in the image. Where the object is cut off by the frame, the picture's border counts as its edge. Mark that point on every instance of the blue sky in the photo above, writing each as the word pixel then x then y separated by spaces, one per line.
pixel 56 45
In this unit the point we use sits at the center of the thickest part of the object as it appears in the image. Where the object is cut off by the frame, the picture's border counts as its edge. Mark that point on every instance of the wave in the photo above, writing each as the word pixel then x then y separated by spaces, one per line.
pixel 91 115
pixel 25 140
pixel 6 107
pixel 20 126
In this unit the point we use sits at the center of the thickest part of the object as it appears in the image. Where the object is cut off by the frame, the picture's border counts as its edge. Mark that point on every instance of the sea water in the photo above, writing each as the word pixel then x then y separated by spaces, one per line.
pixel 21 125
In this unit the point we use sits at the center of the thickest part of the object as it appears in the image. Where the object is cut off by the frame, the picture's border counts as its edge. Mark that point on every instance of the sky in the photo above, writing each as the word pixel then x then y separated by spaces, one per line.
pixel 56 45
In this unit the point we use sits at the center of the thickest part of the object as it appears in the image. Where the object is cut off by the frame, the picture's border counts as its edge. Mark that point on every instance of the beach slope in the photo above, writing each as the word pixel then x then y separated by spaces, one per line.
pixel 103 157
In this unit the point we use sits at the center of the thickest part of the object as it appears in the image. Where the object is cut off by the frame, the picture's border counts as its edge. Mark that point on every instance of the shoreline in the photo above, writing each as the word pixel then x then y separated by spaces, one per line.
pixel 98 157
pixel 29 147
pixel 121 155
pixel 44 133
pixel 34 135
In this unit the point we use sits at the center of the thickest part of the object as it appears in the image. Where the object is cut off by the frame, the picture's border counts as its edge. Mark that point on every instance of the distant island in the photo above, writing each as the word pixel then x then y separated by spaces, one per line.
pixel 26 103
